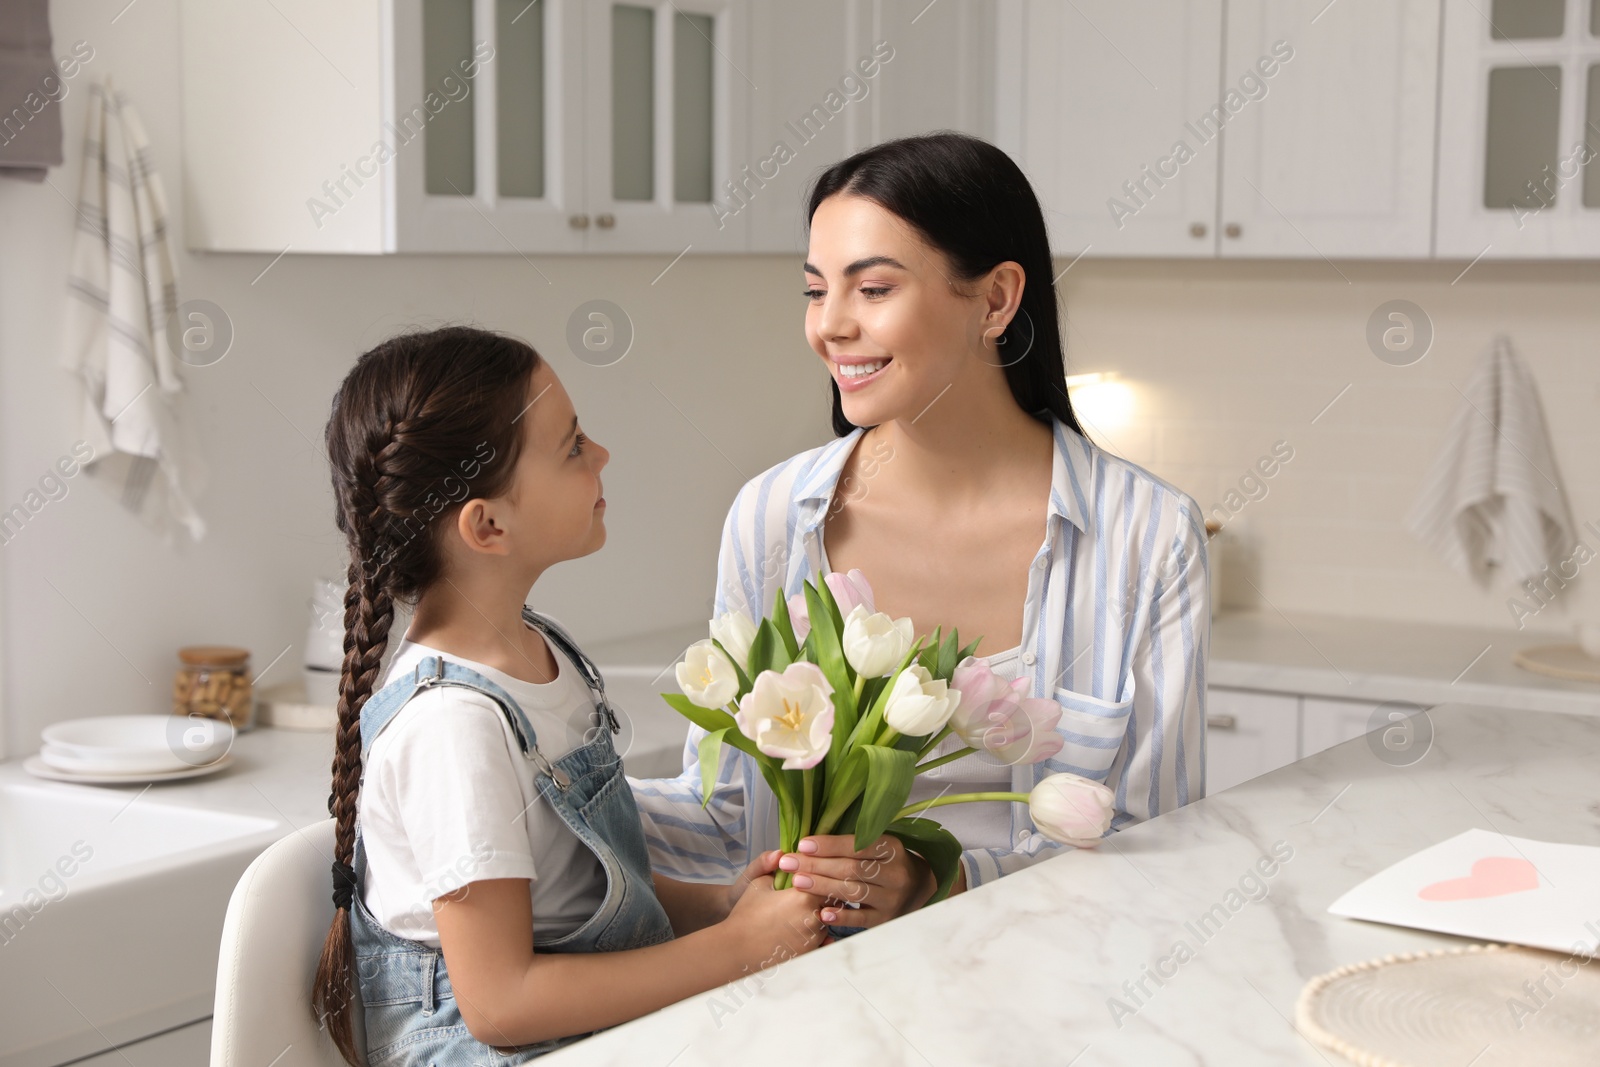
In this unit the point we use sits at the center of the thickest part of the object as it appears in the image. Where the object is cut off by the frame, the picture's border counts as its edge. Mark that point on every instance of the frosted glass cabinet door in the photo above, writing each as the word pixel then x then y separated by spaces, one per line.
pixel 1519 130
pixel 487 126
pixel 667 89
pixel 1105 104
pixel 1332 155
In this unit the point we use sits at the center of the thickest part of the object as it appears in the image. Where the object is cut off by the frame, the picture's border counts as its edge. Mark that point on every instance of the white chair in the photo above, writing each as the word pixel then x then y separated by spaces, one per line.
pixel 272 938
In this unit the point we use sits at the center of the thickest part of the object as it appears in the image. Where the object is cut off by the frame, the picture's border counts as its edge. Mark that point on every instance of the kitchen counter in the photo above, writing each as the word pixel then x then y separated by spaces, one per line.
pixel 1382 660
pixel 1032 968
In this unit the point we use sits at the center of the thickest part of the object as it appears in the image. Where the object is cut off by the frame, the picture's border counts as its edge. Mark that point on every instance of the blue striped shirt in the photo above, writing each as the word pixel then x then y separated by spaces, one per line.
pixel 1116 626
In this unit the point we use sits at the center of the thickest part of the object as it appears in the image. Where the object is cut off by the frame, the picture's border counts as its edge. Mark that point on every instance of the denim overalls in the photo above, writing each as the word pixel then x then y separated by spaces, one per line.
pixel 410 1012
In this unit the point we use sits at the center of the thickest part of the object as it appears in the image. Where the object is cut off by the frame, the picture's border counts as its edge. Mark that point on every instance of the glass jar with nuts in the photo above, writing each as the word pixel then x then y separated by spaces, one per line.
pixel 213 681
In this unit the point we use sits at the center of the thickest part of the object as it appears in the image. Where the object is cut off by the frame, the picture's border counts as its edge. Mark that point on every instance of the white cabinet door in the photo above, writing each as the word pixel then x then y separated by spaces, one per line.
pixel 1103 104
pixel 807 114
pixel 187 1046
pixel 836 76
pixel 667 87
pixel 1248 734
pixel 282 106
pixel 941 76
pixel 1325 722
pixel 1332 154
pixel 1519 130
pixel 486 120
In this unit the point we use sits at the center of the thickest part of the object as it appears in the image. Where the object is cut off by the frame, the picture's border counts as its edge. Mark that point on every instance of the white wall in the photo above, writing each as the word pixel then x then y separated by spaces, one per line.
pixel 1225 359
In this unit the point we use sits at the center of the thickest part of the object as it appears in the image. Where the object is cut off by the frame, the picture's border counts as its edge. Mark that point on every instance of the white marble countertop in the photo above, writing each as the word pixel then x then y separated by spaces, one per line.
pixel 276 774
pixel 1377 659
pixel 1023 970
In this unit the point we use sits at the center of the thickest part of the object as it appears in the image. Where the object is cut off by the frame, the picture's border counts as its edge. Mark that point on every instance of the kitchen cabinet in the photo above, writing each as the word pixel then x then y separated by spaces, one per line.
pixel 1249 733
pixel 837 76
pixel 1519 129
pixel 1325 722
pixel 463 125
pixel 560 126
pixel 1095 99
pixel 1330 153
pixel 1302 133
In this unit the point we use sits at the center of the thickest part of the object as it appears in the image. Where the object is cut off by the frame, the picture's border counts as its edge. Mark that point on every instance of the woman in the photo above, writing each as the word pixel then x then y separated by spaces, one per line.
pixel 962 486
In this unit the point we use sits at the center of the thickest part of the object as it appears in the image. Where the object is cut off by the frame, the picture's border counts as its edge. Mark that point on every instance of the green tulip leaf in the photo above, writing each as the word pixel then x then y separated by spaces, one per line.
pixel 890 772
pixel 710 755
pixel 744 679
pixel 785 628
pixel 936 845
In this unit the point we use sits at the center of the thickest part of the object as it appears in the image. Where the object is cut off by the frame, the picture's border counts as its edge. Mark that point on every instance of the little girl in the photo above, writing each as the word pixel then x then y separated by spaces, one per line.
pixel 493 892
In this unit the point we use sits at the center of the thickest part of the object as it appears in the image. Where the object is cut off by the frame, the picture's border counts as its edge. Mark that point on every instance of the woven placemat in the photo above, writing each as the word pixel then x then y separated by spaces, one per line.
pixel 1487 1005
pixel 1559 661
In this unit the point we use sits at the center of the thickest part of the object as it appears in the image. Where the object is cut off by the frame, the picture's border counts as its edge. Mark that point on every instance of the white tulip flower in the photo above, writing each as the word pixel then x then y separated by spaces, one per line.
pixel 919 704
pixel 736 632
pixel 789 715
pixel 874 643
pixel 1071 810
pixel 706 676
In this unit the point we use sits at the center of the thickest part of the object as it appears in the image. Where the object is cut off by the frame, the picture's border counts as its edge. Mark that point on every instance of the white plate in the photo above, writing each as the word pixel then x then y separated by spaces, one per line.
pixel 139 743
pixel 39 769
pixel 57 758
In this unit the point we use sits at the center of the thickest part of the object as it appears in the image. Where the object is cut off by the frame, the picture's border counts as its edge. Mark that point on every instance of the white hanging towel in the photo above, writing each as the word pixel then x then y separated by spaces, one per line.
pixel 122 291
pixel 1493 502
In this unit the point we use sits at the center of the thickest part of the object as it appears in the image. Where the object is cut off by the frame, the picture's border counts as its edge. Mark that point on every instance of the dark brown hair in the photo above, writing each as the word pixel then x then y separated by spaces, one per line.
pixel 422 422
pixel 971 201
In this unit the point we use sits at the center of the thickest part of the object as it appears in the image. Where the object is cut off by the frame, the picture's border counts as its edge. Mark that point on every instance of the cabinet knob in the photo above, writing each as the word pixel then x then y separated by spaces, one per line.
pixel 1233 229
pixel 578 222
pixel 606 221
pixel 1197 229
pixel 1221 722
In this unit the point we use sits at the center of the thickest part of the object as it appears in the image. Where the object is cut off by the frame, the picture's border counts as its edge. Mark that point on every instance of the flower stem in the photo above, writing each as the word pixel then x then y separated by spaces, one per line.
pixel 809 777
pixel 933 742
pixel 861 680
pixel 942 760
pixel 960 798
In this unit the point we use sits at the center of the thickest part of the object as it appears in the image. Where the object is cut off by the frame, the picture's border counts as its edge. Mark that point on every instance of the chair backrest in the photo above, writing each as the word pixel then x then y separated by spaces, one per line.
pixel 272 938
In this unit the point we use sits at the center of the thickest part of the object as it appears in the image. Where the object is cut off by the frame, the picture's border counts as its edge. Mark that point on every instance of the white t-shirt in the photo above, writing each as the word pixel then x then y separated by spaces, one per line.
pixel 975 825
pixel 448 798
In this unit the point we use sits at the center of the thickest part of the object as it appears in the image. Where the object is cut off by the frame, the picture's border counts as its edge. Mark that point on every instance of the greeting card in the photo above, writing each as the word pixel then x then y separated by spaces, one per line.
pixel 1490 887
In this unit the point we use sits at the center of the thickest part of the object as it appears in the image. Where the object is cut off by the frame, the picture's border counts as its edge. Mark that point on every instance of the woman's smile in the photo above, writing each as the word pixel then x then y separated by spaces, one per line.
pixel 857 372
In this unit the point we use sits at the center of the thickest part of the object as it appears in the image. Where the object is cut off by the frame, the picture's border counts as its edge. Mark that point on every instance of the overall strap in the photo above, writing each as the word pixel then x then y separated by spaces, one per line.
pixel 432 671
pixel 564 642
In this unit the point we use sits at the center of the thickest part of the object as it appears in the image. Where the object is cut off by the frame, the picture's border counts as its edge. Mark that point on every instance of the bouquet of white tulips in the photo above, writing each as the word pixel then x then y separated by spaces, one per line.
pixel 839 705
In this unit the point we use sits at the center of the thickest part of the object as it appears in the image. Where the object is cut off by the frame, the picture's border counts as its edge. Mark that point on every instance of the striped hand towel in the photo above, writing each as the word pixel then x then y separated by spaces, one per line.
pixel 1493 502
pixel 122 293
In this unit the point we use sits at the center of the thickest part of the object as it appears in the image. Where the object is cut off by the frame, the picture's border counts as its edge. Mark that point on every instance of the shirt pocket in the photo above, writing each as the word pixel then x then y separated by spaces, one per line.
pixel 1093 731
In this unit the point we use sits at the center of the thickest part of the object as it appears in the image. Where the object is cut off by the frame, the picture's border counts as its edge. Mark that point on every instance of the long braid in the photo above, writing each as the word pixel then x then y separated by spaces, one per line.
pixel 416 413
pixel 369 614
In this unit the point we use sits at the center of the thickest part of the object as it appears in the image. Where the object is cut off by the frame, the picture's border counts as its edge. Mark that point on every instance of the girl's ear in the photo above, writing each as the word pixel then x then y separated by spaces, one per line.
pixel 478 529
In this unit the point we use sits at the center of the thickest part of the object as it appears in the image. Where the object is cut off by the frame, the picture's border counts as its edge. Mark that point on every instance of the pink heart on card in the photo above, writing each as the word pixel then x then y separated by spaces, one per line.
pixel 1492 876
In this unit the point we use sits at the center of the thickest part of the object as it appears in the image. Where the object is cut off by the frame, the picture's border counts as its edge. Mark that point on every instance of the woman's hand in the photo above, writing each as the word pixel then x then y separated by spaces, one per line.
pixel 884 879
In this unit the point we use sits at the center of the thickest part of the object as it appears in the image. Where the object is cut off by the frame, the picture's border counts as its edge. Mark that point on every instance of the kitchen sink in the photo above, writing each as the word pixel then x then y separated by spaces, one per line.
pixel 57 838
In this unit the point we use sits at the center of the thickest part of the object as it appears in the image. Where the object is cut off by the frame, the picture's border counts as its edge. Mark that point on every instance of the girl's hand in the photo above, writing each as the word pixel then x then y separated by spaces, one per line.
pixel 885 879
pixel 763 866
pixel 772 925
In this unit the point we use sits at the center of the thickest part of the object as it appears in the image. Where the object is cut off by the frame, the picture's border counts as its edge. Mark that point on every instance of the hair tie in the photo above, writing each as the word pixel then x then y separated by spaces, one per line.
pixel 345 884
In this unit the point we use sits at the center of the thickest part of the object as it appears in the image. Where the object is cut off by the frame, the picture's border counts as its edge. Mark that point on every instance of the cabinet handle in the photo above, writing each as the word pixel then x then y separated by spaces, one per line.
pixel 1233 229
pixel 578 222
pixel 1221 722
pixel 1197 229
pixel 606 221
